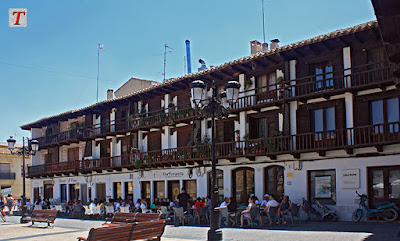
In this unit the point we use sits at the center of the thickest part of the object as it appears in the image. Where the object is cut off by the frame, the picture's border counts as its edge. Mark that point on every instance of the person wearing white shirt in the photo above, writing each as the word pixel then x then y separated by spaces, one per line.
pixel 225 203
pixel 265 201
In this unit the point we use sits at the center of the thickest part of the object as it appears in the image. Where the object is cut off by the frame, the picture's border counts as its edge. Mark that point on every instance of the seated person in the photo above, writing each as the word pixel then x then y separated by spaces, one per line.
pixel 265 200
pixel 225 203
pixel 271 203
pixel 246 213
pixel 284 207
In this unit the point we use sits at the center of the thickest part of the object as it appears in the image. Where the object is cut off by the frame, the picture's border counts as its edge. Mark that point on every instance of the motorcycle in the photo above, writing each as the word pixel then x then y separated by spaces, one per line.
pixel 389 212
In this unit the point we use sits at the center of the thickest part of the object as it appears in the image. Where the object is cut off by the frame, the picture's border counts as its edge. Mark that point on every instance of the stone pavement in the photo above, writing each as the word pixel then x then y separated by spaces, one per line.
pixel 70 229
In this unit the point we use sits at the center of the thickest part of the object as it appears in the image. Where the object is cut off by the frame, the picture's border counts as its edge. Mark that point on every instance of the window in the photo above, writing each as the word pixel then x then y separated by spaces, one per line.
pixel 243 184
pixel 146 190
pixel 322 186
pixel 159 189
pixel 383 185
pixel 191 188
pixel 220 184
pixel 324 123
pixel 385 115
pixel 63 188
pixel 323 72
pixel 375 56
pixel 274 181
pixel 117 190
pixel 5 168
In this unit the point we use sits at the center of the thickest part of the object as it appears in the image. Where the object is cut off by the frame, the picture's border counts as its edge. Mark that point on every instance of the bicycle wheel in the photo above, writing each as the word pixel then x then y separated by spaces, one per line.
pixel 390 215
pixel 357 214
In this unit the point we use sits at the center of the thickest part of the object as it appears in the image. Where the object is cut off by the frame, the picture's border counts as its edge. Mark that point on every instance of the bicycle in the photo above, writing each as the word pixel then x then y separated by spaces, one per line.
pixel 388 212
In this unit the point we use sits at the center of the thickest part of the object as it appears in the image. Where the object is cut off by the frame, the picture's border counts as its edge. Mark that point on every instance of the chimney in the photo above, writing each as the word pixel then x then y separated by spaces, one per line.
pixel 255 46
pixel 203 65
pixel 264 47
pixel 189 63
pixel 274 43
pixel 110 94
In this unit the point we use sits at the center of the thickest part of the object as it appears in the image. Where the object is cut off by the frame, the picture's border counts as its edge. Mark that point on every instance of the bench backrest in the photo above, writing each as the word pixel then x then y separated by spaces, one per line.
pixel 149 229
pixel 121 232
pixel 48 214
pixel 123 217
pixel 141 217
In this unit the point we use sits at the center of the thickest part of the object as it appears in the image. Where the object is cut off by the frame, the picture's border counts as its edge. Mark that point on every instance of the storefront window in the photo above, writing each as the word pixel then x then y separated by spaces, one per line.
pixel 377 183
pixel 191 188
pixel 63 188
pixel 117 190
pixel 243 180
pixel 322 186
pixel 159 189
pixel 220 184
pixel 394 183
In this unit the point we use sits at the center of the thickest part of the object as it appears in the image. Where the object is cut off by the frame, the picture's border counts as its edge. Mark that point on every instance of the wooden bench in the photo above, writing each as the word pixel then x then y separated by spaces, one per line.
pixel 142 217
pixel 119 232
pixel 43 216
pixel 149 230
pixel 122 218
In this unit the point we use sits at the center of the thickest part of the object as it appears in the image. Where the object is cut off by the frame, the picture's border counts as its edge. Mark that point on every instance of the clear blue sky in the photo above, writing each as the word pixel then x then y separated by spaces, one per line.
pixel 51 66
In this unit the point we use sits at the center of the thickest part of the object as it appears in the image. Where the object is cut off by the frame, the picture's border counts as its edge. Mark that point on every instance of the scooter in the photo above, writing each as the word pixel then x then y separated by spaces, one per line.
pixel 328 214
pixel 389 212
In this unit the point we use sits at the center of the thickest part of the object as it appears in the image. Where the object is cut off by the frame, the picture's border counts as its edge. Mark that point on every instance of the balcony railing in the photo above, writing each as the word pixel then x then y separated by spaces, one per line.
pixel 145 120
pixel 358 77
pixel 7 176
pixel 347 138
pixel 73 134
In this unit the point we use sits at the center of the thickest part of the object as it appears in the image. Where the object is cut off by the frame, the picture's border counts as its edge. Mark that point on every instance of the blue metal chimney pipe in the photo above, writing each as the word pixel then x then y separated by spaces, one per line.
pixel 189 62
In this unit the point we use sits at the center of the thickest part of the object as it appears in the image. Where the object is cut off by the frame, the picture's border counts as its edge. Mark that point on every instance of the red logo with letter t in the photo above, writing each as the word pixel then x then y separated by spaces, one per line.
pixel 17 17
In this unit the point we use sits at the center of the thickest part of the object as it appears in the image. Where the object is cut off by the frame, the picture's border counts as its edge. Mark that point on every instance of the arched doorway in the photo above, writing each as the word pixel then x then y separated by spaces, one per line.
pixel 220 184
pixel 274 181
pixel 243 184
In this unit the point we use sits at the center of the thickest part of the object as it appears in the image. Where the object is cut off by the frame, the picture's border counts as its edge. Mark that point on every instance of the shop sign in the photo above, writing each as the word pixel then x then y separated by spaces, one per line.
pixel 323 187
pixel 68 180
pixel 351 178
pixel 173 174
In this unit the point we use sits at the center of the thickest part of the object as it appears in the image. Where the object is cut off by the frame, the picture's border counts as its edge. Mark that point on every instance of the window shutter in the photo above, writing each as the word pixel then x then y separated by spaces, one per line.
pixel 253 128
pixel 88 149
pixel 303 120
pixel 361 112
pixel 340 115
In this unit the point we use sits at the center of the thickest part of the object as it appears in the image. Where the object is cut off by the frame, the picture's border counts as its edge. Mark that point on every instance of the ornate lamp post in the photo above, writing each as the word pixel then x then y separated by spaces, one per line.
pixel 213 109
pixel 31 149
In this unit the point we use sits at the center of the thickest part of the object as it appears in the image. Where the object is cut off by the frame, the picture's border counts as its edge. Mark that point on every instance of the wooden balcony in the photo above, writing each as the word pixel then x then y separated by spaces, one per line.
pixel 65 137
pixel 315 86
pixel 144 121
pixel 341 139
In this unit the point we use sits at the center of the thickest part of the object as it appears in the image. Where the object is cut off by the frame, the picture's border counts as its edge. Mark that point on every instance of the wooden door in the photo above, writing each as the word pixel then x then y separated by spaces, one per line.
pixel 73 154
pixel 274 181
pixel 173 190
pixel 154 141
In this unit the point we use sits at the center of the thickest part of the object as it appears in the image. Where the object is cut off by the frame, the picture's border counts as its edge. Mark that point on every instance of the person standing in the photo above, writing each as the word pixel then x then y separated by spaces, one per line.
pixel 183 198
pixel 9 202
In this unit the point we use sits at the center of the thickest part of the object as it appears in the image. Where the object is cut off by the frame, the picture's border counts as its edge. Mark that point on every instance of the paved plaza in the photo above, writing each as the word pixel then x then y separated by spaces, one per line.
pixel 70 229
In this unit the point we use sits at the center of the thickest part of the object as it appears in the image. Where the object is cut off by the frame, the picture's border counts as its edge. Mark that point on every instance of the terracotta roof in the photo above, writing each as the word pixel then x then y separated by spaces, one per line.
pixel 320 38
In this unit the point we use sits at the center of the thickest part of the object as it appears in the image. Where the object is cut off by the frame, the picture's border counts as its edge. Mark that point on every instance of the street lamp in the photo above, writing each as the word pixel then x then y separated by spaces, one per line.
pixel 31 149
pixel 213 109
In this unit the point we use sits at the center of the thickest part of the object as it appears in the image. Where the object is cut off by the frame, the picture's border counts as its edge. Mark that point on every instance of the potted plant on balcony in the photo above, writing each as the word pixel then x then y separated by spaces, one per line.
pixel 237 132
pixel 246 137
pixel 247 83
pixel 279 81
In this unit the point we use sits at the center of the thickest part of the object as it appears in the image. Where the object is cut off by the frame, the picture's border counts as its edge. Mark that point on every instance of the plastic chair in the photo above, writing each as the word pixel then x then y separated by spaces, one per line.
pixel 110 210
pixel 223 214
pixel 273 214
pixel 145 210
pixel 88 211
pixel 179 213
pixel 203 212
pixel 164 212
pixel 295 212
pixel 124 209
pixel 38 207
